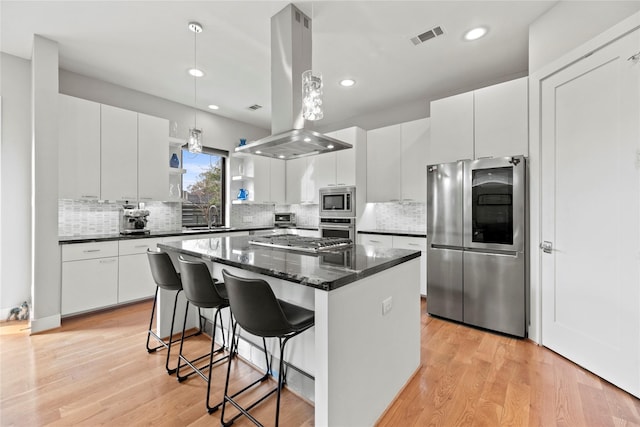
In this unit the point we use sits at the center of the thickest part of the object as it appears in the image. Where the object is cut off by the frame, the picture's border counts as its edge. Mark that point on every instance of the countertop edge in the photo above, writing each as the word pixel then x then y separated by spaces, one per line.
pixel 66 240
pixel 395 233
pixel 325 285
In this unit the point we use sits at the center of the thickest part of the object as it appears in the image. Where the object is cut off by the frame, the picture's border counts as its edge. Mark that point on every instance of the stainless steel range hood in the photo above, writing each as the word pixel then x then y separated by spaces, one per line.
pixel 291 135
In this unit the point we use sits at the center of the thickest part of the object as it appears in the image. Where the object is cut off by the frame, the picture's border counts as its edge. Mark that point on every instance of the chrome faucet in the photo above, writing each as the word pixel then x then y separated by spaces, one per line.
pixel 216 215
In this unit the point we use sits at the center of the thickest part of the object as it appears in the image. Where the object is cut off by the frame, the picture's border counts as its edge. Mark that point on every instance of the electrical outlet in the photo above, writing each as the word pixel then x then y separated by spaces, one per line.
pixel 247 218
pixel 386 305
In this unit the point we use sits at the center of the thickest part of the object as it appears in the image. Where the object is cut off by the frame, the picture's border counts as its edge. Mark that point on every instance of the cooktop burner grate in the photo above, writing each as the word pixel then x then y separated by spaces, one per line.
pixel 300 243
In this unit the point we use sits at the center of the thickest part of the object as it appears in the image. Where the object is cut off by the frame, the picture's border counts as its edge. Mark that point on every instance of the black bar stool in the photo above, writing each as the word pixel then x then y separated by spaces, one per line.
pixel 201 291
pixel 257 310
pixel 166 277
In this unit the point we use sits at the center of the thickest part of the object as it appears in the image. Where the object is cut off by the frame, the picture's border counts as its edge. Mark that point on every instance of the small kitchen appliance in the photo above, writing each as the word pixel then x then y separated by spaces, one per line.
pixel 284 219
pixel 338 202
pixel 133 220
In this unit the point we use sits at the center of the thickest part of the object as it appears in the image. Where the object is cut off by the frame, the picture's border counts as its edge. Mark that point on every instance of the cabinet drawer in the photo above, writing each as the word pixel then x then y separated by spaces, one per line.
pixel 137 246
pixel 376 240
pixel 405 242
pixel 80 251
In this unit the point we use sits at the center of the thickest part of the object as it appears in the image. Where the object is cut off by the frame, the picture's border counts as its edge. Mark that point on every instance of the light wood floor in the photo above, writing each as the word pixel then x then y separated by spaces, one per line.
pixel 95 370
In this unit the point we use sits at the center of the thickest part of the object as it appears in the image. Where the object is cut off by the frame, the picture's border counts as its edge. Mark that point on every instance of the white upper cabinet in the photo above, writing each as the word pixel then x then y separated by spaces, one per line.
pixel 451 129
pixel 79 155
pixel 384 153
pixel 153 158
pixel 278 181
pixel 416 139
pixel 396 162
pixel 324 170
pixel 268 180
pixel 346 160
pixel 501 119
pixel 488 122
pixel 296 189
pixel 118 154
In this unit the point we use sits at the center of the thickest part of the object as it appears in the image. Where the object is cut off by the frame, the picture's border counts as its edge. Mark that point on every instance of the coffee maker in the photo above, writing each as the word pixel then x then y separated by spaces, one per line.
pixel 133 220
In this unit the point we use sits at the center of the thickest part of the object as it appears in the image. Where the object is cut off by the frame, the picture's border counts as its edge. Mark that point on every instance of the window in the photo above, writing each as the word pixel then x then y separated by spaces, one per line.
pixel 203 185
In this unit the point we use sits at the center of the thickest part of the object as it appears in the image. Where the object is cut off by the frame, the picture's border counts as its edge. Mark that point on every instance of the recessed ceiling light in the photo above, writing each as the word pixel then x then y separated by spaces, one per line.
pixel 281 156
pixel 307 139
pixel 347 82
pixel 196 72
pixel 475 33
pixel 258 152
pixel 330 146
pixel 213 107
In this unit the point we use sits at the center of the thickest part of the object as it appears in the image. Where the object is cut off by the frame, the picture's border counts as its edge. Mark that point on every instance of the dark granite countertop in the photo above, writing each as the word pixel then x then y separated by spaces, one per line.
pixel 326 271
pixel 64 240
pixel 395 232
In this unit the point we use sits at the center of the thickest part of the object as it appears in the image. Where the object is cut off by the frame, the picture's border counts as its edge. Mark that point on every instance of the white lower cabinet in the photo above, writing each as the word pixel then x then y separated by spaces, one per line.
pixel 417 244
pixel 89 276
pixel 401 242
pixel 134 275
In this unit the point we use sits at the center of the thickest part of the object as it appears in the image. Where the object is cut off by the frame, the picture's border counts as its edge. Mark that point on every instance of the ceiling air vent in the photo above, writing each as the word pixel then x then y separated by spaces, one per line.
pixel 427 35
pixel 255 107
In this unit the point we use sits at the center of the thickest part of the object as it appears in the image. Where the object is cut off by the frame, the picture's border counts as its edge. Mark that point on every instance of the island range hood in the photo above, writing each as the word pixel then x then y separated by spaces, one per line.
pixel 291 136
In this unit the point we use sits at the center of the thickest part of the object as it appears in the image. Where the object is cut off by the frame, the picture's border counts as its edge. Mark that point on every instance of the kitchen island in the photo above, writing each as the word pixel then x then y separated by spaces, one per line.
pixel 365 344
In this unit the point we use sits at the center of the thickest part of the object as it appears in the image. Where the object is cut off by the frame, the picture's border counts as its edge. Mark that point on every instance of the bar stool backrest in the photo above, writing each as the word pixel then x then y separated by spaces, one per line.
pixel 163 271
pixel 198 286
pixel 255 307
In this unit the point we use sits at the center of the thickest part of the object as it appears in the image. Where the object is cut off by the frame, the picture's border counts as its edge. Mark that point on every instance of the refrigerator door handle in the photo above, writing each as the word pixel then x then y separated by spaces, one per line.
pixel 447 247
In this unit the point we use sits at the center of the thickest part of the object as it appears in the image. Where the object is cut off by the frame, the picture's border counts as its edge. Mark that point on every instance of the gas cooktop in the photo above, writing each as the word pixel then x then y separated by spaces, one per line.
pixel 300 243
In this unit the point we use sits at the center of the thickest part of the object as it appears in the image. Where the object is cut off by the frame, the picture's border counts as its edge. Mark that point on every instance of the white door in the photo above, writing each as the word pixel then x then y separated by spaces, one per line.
pixel 590 127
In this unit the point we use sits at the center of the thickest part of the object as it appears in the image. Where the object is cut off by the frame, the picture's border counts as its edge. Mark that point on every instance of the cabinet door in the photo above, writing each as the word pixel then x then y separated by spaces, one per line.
pixel 501 119
pixel 346 159
pixel 278 183
pixel 295 170
pixel 153 158
pixel 416 244
pixel 134 278
pixel 79 149
pixel 261 179
pixel 451 129
pixel 383 164
pixel 375 240
pixel 119 154
pixel 89 284
pixel 324 170
pixel 416 136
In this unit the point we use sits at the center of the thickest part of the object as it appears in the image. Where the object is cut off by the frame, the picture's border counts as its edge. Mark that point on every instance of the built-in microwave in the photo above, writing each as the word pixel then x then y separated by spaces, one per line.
pixel 338 202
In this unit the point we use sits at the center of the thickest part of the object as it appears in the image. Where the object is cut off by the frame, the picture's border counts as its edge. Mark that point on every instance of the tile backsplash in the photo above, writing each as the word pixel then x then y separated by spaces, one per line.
pixel 400 216
pixel 258 215
pixel 82 218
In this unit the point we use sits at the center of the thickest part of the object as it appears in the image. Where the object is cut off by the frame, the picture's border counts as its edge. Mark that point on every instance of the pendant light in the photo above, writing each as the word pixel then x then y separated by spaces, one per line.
pixel 312 96
pixel 194 143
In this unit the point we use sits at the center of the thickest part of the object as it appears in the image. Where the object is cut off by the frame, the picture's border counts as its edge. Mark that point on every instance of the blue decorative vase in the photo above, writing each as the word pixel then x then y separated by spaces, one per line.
pixel 243 194
pixel 175 161
pixel 243 141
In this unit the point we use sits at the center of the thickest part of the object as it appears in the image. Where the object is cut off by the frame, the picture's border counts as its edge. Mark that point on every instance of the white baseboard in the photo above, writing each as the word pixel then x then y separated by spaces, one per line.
pixel 45 323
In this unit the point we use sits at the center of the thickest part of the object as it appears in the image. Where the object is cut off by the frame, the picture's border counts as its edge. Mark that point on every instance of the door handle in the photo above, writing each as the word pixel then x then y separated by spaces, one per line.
pixel 546 247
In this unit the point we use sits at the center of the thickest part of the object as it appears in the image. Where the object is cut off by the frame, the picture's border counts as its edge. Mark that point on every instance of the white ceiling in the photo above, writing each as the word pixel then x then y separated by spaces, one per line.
pixel 146 46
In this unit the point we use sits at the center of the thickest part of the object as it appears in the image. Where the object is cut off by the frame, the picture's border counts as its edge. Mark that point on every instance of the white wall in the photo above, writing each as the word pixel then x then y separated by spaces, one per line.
pixel 571 23
pixel 218 132
pixel 15 183
pixel 45 270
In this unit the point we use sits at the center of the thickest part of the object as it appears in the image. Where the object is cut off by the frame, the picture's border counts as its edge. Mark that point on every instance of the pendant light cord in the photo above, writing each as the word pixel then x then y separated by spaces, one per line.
pixel 195 80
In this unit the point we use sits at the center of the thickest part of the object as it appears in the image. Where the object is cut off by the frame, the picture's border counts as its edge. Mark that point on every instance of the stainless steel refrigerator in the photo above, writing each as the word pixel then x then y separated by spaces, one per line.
pixel 476 243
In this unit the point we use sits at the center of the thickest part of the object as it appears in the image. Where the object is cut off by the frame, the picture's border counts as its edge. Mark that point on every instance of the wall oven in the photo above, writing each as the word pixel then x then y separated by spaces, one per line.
pixel 338 202
pixel 338 227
